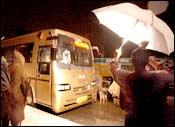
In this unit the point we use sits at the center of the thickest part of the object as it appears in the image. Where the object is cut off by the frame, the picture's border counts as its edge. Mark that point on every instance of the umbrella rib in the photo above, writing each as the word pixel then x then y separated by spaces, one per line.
pixel 152 19
pixel 130 31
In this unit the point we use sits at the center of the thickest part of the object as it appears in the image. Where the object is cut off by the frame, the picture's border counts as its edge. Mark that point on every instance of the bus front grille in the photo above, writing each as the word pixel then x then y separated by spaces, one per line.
pixel 82 88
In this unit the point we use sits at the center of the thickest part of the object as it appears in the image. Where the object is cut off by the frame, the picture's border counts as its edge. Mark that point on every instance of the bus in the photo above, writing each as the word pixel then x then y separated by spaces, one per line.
pixel 59 66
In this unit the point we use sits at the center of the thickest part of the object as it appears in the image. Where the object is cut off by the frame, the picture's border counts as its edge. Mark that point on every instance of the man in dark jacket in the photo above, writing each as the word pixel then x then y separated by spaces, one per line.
pixel 145 91
pixel 5 93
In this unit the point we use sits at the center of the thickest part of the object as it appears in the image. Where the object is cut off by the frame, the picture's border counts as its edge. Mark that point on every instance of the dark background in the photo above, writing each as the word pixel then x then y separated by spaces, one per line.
pixel 20 17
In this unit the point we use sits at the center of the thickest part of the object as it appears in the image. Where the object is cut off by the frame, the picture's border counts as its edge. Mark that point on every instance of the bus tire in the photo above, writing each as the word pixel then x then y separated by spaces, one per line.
pixel 30 99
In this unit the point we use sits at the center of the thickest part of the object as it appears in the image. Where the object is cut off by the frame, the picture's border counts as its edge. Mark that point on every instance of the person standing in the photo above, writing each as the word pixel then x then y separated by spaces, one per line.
pixel 18 79
pixel 5 93
pixel 145 91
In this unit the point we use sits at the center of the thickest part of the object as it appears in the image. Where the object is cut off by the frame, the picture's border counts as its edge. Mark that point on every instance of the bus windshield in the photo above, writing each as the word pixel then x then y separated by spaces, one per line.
pixel 70 51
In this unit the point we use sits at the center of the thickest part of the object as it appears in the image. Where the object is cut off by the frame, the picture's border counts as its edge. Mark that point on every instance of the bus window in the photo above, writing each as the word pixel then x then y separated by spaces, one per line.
pixel 8 52
pixel 66 57
pixel 44 54
pixel 82 57
pixel 69 52
pixel 65 49
pixel 26 50
pixel 44 60
pixel 44 68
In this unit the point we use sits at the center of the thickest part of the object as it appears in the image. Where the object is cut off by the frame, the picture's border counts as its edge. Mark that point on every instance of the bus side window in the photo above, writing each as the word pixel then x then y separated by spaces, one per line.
pixel 44 59
pixel 26 50
pixel 45 54
pixel 8 53
pixel 44 68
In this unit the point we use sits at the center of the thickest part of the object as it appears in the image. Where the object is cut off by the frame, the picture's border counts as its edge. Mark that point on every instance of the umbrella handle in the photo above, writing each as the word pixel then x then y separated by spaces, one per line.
pixel 117 54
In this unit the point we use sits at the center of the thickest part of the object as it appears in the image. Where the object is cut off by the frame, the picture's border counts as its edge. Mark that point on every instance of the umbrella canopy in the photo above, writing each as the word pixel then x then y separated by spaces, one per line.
pixel 135 24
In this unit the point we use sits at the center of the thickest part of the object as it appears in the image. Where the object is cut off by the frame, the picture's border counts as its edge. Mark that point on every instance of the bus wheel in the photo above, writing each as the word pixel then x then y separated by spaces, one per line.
pixel 30 99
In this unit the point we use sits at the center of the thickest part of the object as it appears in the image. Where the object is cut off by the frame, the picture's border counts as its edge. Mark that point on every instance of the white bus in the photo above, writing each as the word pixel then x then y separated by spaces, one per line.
pixel 59 66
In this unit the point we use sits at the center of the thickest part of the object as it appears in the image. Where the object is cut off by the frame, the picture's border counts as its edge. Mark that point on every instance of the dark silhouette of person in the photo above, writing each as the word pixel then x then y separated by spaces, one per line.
pixel 145 91
pixel 5 93
pixel 18 79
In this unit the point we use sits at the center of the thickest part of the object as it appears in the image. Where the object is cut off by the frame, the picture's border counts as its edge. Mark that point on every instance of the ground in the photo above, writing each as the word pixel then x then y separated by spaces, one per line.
pixel 92 114
pixel 95 114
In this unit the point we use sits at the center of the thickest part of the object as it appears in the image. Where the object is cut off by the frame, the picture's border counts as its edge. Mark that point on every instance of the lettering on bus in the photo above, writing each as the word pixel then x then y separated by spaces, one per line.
pixel 81 44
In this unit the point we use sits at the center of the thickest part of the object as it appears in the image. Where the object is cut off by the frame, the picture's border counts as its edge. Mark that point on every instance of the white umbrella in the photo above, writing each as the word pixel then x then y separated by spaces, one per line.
pixel 135 24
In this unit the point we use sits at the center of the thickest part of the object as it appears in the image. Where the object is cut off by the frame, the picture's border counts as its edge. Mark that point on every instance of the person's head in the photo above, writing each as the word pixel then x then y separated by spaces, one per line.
pixel 8 54
pixel 139 58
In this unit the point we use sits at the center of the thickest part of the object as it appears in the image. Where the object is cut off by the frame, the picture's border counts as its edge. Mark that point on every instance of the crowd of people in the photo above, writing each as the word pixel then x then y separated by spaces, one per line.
pixel 13 88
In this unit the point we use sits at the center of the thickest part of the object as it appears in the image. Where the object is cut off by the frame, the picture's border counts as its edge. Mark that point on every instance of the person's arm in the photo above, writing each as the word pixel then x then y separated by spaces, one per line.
pixel 5 79
pixel 120 76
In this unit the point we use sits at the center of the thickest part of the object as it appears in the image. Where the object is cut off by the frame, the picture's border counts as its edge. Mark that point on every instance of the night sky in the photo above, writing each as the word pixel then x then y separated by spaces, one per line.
pixel 19 17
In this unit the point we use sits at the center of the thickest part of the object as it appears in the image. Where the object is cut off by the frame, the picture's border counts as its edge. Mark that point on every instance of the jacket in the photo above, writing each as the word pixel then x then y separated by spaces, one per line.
pixel 18 76
pixel 5 78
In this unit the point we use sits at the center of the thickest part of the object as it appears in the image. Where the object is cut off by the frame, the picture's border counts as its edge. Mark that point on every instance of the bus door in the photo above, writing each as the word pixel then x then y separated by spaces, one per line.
pixel 43 86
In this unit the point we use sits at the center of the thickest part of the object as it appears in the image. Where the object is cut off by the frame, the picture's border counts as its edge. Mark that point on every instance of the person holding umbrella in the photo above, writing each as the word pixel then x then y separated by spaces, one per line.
pixel 145 91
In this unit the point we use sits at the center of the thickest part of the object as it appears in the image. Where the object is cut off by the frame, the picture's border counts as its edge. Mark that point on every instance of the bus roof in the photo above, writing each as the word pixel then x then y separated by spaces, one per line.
pixel 36 36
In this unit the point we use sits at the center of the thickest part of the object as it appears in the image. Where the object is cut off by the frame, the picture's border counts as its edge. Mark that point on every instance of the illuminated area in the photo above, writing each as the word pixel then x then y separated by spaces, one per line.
pixel 125 26
pixel 36 117
pixel 157 36
pixel 57 74
pixel 139 33
pixel 136 24
pixel 81 44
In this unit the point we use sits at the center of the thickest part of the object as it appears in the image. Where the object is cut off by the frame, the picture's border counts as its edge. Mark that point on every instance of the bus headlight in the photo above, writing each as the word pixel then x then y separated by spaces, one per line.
pixel 63 87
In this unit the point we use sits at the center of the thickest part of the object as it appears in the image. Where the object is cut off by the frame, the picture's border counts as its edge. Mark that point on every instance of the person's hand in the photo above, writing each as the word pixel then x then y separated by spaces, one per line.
pixel 113 64
pixel 143 44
